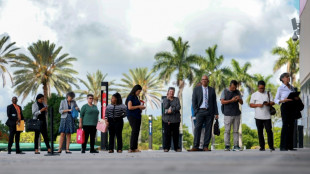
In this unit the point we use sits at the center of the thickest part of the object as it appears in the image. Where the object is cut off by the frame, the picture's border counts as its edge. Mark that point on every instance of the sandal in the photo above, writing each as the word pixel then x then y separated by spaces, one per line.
pixel 68 152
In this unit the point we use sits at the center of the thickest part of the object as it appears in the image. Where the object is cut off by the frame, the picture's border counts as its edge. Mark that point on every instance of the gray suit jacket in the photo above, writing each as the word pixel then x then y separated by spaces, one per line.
pixel 64 106
pixel 36 110
pixel 197 100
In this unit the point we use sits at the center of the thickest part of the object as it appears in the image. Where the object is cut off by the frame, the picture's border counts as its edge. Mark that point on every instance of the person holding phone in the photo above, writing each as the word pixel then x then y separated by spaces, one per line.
pixel 67 125
pixel 230 100
pixel 39 111
pixel 260 101
pixel 134 110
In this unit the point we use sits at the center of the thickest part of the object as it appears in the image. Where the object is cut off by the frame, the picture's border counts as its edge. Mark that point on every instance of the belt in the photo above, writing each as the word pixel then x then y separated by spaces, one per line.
pixel 206 109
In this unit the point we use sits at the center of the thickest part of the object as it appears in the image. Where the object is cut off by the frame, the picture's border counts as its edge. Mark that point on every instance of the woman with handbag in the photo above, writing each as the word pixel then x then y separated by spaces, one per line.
pixel 262 101
pixel 39 111
pixel 67 125
pixel 171 119
pixel 114 115
pixel 88 121
pixel 134 110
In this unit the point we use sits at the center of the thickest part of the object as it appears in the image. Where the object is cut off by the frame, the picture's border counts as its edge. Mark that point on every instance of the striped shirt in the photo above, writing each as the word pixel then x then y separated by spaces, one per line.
pixel 116 111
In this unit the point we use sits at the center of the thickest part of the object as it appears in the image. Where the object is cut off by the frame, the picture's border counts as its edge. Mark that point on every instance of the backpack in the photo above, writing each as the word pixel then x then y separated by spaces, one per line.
pixel 225 94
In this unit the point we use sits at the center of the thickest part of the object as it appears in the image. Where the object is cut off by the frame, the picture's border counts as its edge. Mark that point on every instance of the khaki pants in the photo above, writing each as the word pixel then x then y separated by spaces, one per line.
pixel 228 122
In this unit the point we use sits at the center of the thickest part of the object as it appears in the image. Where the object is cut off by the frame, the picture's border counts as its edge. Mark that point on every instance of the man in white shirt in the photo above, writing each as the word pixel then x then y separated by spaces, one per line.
pixel 261 101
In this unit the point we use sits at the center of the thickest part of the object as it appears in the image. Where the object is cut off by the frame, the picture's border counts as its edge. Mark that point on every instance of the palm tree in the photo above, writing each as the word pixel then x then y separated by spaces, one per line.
pixel 244 79
pixel 93 86
pixel 178 61
pixel 211 65
pixel 288 56
pixel 45 67
pixel 152 86
pixel 6 52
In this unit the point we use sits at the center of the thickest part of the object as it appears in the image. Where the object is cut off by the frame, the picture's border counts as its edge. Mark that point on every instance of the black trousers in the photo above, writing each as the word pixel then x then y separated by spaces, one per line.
pixel 172 129
pixel 90 131
pixel 42 131
pixel 261 124
pixel 287 133
pixel 135 124
pixel 16 134
pixel 115 129
pixel 203 117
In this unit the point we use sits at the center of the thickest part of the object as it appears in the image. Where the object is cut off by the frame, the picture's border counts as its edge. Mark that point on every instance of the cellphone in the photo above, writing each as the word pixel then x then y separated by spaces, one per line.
pixel 265 102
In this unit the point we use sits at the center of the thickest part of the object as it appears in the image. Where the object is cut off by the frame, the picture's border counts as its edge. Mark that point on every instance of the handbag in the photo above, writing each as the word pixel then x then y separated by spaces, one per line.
pixel 102 125
pixel 20 126
pixel 74 113
pixel 272 110
pixel 33 125
pixel 216 128
pixel 80 136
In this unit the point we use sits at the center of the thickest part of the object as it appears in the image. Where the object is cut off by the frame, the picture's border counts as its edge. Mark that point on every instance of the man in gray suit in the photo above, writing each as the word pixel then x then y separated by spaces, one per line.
pixel 205 108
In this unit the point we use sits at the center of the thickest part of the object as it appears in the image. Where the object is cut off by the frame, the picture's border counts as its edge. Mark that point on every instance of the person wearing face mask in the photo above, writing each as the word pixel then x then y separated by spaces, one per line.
pixel 134 110
pixel 15 115
pixel 67 125
pixel 261 101
pixel 39 111
pixel 288 111
pixel 171 119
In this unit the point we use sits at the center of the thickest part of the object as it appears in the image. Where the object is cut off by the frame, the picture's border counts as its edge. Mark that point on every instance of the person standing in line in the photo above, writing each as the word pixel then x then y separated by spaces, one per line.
pixel 205 109
pixel 39 111
pixel 67 125
pixel 230 100
pixel 115 113
pixel 288 112
pixel 262 101
pixel 15 115
pixel 88 121
pixel 171 119
pixel 193 119
pixel 134 110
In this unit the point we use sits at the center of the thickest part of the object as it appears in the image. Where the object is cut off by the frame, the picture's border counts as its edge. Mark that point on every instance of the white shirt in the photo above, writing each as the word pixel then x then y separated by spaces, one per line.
pixel 205 92
pixel 259 98
pixel 283 92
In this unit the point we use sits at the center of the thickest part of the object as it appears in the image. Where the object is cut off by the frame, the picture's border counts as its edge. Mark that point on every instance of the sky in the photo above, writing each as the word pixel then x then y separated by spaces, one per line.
pixel 115 36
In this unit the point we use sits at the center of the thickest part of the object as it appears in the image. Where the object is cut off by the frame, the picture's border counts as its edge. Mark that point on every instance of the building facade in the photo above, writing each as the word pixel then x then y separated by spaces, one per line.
pixel 304 62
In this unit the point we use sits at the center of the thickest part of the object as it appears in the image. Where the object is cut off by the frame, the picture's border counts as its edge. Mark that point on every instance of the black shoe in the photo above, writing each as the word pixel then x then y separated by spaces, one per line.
pixel 272 149
pixel 9 152
pixel 83 151
pixel 283 149
pixel 94 151
pixel 261 149
pixel 68 152
pixel 20 152
pixel 36 153
pixel 292 149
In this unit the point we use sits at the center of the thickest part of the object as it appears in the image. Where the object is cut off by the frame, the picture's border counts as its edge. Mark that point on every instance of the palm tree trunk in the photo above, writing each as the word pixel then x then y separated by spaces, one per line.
pixel 180 96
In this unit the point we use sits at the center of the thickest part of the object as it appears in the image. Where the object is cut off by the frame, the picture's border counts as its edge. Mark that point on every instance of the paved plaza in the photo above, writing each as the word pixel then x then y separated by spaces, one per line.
pixel 155 162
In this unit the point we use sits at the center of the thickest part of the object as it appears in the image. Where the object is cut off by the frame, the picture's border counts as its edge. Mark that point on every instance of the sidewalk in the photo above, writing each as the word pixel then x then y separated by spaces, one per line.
pixel 156 162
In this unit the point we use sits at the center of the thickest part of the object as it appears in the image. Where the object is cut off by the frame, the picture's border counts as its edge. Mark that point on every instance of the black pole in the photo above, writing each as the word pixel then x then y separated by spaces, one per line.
pixel 150 132
pixel 162 123
pixel 51 116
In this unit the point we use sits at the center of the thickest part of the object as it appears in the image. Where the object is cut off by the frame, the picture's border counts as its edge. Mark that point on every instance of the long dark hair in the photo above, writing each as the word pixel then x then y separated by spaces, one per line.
pixel 133 92
pixel 118 97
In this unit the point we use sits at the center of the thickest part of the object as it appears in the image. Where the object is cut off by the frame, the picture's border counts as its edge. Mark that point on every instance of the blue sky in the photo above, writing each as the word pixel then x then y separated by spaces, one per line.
pixel 115 36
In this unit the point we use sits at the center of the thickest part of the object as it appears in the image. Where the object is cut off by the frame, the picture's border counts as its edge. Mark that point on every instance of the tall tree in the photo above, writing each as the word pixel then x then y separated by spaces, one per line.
pixel 211 65
pixel 288 56
pixel 178 61
pixel 93 85
pixel 44 67
pixel 152 86
pixel 6 52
